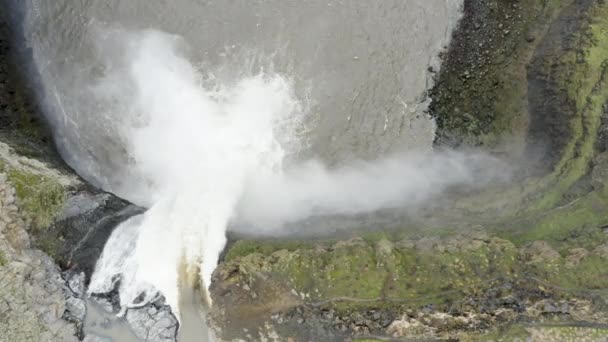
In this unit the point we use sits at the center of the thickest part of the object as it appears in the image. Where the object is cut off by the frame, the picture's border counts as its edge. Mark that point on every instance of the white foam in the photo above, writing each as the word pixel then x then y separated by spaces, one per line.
pixel 194 149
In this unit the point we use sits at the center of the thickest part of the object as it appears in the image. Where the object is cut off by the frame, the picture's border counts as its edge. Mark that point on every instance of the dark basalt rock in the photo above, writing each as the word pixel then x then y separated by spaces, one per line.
pixel 84 226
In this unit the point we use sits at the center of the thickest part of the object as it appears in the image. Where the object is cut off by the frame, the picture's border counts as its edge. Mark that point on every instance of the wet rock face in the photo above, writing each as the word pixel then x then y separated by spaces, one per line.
pixel 50 208
pixel 66 218
pixel 21 124
pixel 41 303
pixel 497 88
pixel 551 109
pixel 32 297
pixel 74 291
pixel 473 86
pixel 153 323
pixel 83 227
pixel 328 324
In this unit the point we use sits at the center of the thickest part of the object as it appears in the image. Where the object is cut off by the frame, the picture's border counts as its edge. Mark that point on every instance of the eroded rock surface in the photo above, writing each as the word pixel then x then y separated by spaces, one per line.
pixel 32 290
pixel 153 323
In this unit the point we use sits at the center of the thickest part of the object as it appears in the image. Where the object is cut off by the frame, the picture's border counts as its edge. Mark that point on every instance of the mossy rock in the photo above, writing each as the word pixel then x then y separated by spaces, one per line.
pixel 41 191
pixel 41 198
pixel 479 96
pixel 3 260
pixel 427 268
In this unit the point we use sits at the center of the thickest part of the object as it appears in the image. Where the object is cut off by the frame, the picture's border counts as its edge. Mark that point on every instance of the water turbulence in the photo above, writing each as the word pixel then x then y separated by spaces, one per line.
pixel 194 148
pixel 202 157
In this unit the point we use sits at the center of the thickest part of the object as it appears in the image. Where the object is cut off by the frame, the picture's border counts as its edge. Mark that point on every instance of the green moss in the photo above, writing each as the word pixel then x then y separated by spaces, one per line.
pixel 3 260
pixel 590 274
pixel 578 70
pixel 576 222
pixel 40 197
pixel 349 270
pixel 585 83
pixel 540 208
pixel 358 273
pixel 449 270
pixel 487 106
pixel 265 247
pixel 50 246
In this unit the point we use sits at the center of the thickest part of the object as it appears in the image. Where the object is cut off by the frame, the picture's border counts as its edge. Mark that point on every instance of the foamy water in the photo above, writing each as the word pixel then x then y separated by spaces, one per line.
pixel 193 148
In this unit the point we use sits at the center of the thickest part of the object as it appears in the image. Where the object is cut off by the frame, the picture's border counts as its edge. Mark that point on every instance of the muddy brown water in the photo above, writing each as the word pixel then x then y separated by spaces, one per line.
pixel 361 66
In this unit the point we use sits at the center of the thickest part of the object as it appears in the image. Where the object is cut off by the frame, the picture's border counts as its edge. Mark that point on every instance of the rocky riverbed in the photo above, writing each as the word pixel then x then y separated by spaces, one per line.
pixel 523 79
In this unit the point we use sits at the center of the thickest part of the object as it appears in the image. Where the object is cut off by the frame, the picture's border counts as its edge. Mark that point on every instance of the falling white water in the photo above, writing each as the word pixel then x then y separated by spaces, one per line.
pixel 193 148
